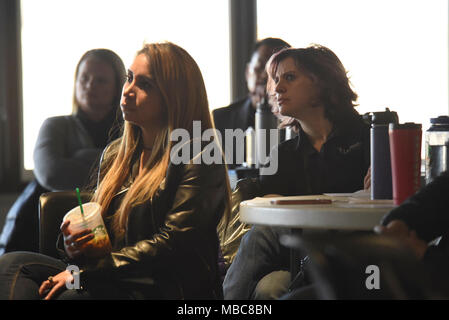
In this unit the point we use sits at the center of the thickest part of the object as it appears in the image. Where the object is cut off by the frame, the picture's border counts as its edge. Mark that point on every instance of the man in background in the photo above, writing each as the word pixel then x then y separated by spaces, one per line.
pixel 241 114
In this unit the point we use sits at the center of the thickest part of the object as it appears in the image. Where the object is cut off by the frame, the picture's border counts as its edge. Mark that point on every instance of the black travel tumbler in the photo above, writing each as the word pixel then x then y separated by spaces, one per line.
pixel 381 180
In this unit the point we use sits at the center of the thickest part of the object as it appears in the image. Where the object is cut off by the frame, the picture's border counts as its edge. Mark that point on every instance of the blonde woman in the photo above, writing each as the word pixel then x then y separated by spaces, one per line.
pixel 68 146
pixel 161 217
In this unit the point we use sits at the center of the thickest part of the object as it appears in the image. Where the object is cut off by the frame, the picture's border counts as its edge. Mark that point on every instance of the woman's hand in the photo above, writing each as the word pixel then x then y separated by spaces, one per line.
pixel 289 122
pixel 272 195
pixel 73 243
pixel 55 284
pixel 399 230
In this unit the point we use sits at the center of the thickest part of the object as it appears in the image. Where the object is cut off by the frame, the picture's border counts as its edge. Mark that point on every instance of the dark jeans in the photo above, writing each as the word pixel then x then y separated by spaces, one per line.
pixel 22 273
pixel 308 292
pixel 259 254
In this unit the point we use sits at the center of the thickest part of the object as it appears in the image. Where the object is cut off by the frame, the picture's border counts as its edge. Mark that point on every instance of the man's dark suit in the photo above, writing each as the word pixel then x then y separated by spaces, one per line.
pixel 239 115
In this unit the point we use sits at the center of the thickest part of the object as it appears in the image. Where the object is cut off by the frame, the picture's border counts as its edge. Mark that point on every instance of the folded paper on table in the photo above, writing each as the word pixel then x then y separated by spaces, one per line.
pixel 358 197
pixel 357 194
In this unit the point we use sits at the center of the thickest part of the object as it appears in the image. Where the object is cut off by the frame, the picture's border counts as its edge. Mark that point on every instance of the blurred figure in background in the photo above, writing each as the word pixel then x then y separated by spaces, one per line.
pixel 241 114
pixel 67 147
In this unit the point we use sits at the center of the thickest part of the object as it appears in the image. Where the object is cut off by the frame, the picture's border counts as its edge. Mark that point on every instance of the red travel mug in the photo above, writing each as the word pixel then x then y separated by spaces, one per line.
pixel 405 151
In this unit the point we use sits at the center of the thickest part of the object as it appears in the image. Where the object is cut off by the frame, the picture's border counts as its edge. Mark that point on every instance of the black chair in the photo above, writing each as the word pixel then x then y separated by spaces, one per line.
pixel 52 208
pixel 343 266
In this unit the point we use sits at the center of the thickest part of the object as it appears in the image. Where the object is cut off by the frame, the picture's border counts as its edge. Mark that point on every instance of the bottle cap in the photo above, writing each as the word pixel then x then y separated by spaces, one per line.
pixel 405 126
pixel 384 117
pixel 440 120
pixel 263 104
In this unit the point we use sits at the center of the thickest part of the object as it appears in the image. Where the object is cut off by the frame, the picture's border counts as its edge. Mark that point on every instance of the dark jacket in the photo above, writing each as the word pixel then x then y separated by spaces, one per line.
pixel 171 239
pixel 340 166
pixel 239 115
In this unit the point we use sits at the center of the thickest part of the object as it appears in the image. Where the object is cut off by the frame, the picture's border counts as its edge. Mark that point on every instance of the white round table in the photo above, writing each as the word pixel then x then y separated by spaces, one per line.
pixel 344 213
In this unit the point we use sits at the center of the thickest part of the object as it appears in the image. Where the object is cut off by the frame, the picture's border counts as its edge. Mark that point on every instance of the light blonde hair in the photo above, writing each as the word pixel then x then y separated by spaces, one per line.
pixel 180 83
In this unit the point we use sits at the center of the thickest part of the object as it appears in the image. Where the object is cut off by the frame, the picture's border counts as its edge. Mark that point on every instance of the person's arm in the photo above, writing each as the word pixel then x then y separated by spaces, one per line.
pixel 399 230
pixel 198 202
pixel 435 258
pixel 426 211
pixel 54 168
pixel 420 219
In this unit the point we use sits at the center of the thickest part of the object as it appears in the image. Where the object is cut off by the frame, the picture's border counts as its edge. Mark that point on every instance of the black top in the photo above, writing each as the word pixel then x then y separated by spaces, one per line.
pixel 340 166
pixel 99 131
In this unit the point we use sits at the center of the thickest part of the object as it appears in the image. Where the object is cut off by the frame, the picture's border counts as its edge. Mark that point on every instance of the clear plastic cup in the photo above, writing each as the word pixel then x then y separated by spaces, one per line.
pixel 100 245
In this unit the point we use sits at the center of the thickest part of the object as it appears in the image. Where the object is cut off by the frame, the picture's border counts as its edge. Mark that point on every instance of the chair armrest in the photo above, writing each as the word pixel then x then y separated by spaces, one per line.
pixel 52 208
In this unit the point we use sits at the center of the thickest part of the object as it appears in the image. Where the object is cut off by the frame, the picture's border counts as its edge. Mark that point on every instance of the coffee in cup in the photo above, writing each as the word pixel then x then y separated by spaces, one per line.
pixel 100 245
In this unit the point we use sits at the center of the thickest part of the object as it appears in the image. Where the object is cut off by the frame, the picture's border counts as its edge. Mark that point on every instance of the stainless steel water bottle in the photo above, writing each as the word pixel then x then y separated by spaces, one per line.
pixel 265 120
pixel 381 179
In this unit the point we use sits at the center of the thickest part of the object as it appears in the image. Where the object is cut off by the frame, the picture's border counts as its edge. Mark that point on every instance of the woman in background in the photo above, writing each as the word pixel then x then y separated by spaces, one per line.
pixel 67 147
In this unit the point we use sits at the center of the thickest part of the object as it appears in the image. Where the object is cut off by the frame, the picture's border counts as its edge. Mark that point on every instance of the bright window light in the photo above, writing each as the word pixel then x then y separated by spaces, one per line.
pixel 396 51
pixel 55 34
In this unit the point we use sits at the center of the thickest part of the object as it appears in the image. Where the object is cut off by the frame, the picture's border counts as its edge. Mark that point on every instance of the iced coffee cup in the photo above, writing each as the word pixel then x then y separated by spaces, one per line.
pixel 100 245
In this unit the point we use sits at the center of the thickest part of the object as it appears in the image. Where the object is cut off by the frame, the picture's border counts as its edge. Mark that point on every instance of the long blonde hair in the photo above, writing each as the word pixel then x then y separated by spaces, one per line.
pixel 184 99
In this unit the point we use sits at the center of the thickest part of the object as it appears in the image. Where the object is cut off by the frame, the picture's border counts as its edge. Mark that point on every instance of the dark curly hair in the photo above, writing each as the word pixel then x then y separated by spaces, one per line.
pixel 327 72
pixel 275 44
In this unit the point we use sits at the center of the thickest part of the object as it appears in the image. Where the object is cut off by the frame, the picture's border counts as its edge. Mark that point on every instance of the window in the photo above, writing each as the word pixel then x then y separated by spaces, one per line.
pixel 56 33
pixel 396 52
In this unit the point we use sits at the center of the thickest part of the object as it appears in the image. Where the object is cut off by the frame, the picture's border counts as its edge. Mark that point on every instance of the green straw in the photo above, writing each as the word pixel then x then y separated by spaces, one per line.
pixel 79 200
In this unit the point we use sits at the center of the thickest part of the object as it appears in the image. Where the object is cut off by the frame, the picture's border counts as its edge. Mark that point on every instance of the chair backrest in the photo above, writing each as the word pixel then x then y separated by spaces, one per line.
pixel 52 208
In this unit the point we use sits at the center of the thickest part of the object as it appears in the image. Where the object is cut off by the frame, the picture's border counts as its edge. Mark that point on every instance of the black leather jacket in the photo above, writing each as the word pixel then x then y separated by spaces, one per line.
pixel 171 240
